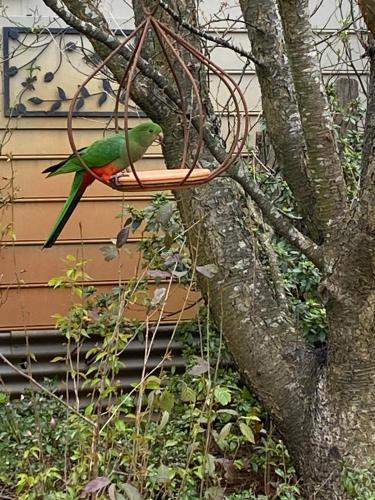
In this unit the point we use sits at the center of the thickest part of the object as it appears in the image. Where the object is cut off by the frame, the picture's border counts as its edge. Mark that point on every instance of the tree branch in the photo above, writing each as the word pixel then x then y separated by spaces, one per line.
pixel 280 106
pixel 324 166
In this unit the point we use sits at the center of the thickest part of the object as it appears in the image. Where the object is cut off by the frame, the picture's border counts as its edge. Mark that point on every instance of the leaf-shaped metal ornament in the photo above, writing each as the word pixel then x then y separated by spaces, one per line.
pixel 79 103
pixel 12 71
pixel 61 93
pixel 36 100
pixel 48 77
pixel 55 106
pixel 102 98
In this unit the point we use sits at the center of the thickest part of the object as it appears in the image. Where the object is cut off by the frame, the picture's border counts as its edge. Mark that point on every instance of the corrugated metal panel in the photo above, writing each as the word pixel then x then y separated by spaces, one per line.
pixel 48 344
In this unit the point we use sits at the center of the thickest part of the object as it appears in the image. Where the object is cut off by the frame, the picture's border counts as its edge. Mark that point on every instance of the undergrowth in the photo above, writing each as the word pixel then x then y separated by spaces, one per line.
pixel 200 434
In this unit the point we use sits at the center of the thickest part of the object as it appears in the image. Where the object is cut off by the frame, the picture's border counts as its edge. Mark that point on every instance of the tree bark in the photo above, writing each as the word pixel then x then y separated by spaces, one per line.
pixel 279 105
pixel 324 163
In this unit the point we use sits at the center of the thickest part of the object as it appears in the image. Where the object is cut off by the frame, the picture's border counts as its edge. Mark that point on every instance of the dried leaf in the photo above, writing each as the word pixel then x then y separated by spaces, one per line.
pixel 209 270
pixel 201 367
pixel 158 296
pixel 123 236
pixel 173 259
pixel 112 492
pixel 95 485
pixel 179 274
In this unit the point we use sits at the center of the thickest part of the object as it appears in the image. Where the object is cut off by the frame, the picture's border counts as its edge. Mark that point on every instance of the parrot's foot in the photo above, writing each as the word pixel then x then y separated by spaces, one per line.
pixel 115 179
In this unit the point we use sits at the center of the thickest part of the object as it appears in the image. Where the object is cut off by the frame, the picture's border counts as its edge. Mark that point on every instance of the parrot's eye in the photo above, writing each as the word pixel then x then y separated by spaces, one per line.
pixel 151 131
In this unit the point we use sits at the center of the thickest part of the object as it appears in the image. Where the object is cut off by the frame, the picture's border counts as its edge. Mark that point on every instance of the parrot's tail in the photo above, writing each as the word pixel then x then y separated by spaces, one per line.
pixel 81 181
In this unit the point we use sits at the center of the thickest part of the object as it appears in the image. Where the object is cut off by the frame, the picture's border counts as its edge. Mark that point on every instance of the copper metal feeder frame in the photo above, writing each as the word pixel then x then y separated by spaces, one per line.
pixel 188 175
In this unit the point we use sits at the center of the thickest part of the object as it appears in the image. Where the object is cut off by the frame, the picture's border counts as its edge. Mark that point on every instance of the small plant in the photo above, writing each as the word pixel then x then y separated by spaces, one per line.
pixel 359 483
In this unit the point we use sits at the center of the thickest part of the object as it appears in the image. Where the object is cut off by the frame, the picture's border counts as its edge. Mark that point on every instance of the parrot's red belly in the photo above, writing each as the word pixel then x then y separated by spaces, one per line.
pixel 106 171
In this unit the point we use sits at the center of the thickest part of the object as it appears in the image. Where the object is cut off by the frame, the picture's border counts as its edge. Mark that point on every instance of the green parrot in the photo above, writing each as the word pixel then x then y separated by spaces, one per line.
pixel 105 157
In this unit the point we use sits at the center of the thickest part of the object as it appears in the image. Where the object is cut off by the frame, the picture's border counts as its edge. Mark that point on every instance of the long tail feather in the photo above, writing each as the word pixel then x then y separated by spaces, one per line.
pixel 80 183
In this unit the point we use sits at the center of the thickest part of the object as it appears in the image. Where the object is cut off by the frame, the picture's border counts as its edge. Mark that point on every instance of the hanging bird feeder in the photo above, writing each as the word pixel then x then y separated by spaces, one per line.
pixel 190 172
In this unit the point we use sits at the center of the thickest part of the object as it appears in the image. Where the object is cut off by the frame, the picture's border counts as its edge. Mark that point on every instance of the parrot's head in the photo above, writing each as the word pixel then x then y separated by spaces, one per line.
pixel 147 133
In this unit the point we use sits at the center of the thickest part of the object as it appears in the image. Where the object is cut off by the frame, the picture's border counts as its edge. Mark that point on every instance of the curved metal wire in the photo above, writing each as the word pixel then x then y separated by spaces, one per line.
pixel 192 114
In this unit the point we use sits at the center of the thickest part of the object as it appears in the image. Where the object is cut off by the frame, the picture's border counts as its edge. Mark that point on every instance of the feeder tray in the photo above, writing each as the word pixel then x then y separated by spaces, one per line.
pixel 188 104
pixel 153 180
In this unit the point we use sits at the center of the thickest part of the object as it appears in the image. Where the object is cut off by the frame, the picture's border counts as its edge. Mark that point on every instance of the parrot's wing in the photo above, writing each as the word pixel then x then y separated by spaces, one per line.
pixel 98 154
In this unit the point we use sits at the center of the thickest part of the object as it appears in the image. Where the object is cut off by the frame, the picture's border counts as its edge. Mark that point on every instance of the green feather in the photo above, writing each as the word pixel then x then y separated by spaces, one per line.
pixel 76 192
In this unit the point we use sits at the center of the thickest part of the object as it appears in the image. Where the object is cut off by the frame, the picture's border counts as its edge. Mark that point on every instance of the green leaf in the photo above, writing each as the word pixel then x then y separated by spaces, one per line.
pixel 89 409
pixel 224 433
pixel 163 474
pixel 152 382
pixel 120 426
pixel 214 493
pixel 131 492
pixel 222 395
pixel 56 359
pixel 210 465
pixel 166 401
pixel 188 395
pixel 247 432
pixel 164 420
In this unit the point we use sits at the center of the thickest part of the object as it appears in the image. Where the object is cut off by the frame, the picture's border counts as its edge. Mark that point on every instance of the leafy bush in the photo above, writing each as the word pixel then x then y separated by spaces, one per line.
pixel 196 435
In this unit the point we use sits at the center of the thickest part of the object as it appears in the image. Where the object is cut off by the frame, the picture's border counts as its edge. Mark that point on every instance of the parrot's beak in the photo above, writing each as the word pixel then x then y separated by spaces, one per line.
pixel 161 137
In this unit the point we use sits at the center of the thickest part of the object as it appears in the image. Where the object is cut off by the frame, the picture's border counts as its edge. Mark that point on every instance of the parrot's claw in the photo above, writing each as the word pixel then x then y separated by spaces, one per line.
pixel 116 178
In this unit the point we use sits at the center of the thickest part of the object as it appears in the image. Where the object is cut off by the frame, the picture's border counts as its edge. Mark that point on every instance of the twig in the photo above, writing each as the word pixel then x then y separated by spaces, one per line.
pixel 204 34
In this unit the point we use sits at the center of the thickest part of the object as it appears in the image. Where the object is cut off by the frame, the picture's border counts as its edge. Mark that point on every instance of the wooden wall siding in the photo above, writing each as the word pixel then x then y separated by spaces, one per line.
pixel 38 141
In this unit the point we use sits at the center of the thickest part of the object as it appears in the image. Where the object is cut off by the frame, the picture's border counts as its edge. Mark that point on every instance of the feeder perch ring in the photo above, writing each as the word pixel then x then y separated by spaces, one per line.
pixel 182 79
